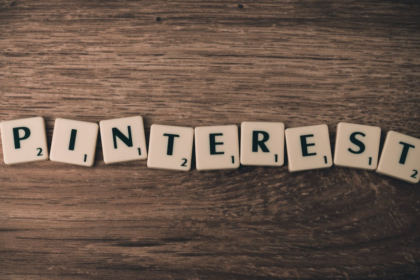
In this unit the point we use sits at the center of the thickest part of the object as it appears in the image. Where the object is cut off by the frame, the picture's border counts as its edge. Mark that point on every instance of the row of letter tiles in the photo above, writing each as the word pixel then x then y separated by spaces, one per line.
pixel 217 147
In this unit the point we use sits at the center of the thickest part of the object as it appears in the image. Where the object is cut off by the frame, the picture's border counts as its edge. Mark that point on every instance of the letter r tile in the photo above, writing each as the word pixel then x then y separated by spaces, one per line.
pixel 262 143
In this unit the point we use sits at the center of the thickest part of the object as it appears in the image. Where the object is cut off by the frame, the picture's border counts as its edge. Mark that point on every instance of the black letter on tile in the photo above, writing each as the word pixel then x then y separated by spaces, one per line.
pixel 126 140
pixel 16 135
pixel 357 143
pixel 171 138
pixel 405 152
pixel 305 145
pixel 213 144
pixel 72 139
pixel 260 143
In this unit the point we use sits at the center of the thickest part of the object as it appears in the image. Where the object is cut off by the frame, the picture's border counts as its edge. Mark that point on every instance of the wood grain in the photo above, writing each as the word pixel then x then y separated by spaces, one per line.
pixel 196 63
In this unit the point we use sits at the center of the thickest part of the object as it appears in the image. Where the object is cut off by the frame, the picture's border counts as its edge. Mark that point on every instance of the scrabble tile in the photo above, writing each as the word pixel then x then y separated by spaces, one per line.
pixel 170 147
pixel 357 146
pixel 262 143
pixel 217 147
pixel 308 147
pixel 74 142
pixel 24 140
pixel 400 157
pixel 123 139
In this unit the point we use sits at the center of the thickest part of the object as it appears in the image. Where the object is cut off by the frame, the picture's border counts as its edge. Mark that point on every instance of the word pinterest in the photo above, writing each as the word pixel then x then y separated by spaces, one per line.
pixel 216 147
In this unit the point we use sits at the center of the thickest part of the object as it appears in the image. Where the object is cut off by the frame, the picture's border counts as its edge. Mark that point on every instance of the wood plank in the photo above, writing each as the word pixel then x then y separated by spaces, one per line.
pixel 209 63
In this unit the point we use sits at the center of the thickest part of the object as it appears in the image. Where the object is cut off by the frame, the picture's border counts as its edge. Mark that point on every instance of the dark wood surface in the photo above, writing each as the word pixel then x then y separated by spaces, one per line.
pixel 194 63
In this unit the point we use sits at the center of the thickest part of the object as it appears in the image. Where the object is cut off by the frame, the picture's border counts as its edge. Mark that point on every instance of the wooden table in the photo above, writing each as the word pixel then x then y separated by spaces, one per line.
pixel 195 63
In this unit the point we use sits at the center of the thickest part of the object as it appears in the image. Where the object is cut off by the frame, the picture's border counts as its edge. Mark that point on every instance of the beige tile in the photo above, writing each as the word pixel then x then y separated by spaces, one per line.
pixel 308 148
pixel 123 139
pixel 357 146
pixel 24 140
pixel 400 157
pixel 262 143
pixel 74 142
pixel 217 147
pixel 170 147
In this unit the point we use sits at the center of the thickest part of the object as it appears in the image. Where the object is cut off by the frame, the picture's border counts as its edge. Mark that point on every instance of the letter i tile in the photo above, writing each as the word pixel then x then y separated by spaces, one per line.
pixel 74 142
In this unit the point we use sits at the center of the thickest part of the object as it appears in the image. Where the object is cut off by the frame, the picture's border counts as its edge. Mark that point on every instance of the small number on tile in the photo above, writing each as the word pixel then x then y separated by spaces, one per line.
pixel 85 158
pixel 275 158
pixel 370 160
pixel 40 152
pixel 138 149
pixel 414 174
pixel 233 159
pixel 325 159
pixel 185 162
